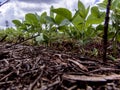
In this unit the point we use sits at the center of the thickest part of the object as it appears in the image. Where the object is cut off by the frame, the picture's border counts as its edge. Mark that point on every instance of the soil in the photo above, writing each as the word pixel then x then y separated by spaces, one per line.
pixel 59 67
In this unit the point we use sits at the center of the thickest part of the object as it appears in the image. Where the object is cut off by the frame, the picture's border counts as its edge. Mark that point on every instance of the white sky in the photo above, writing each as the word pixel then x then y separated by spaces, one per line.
pixel 16 9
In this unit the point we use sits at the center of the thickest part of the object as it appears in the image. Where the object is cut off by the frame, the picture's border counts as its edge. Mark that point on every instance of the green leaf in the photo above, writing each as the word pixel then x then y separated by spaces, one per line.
pixel 81 27
pixel 17 23
pixel 37 16
pixel 115 4
pixel 81 5
pixel 111 57
pixel 95 11
pixel 119 5
pixel 50 20
pixel 63 12
pixel 96 20
pixel 40 38
pixel 87 11
pixel 118 37
pixel 75 15
pixel 82 10
pixel 62 28
pixel 43 17
pixel 90 32
pixel 95 52
pixel 31 19
pixel 93 20
pixel 59 19
pixel 46 38
pixel 111 35
pixel 65 22
pixel 103 4
pixel 53 29
pixel 77 20
pixel 51 12
pixel 100 27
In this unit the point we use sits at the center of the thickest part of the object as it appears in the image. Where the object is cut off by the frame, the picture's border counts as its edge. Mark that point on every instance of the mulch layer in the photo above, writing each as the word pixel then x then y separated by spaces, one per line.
pixel 24 67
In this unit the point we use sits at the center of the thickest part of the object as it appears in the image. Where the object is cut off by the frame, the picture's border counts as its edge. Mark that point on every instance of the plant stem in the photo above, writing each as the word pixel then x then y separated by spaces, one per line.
pixel 105 39
pixel 2 3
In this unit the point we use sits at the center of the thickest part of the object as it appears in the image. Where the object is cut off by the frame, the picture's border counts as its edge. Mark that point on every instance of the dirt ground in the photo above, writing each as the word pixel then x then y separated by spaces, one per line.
pixel 60 67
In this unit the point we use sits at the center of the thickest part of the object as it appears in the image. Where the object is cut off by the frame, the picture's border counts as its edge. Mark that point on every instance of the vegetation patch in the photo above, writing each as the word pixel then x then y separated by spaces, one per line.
pixel 62 51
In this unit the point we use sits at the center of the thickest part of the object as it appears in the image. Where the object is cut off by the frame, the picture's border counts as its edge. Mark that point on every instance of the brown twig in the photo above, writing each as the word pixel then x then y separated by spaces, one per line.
pixel 6 82
pixel 33 84
pixel 105 39
pixel 24 40
pixel 105 69
pixel 50 85
pixel 3 38
pixel 6 76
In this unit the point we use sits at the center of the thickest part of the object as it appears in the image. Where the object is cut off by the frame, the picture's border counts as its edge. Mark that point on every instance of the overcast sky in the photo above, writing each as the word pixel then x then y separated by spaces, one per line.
pixel 16 9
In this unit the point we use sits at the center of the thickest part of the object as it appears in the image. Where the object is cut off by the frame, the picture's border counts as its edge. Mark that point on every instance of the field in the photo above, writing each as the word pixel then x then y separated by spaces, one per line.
pixel 63 51
pixel 55 68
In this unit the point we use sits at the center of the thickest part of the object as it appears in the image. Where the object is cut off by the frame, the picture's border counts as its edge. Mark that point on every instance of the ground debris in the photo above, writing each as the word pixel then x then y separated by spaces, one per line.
pixel 25 67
